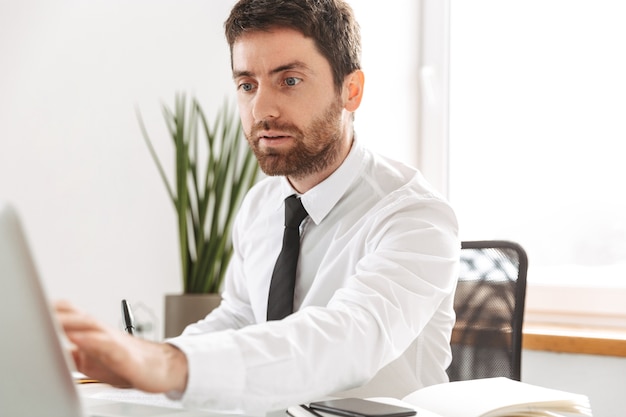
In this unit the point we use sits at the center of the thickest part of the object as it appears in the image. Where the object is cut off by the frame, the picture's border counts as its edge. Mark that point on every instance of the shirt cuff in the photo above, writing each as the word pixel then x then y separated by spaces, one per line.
pixel 216 370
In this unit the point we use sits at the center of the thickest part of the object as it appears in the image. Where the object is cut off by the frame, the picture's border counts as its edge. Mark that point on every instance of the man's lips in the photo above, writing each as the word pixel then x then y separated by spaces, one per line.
pixel 273 138
pixel 272 135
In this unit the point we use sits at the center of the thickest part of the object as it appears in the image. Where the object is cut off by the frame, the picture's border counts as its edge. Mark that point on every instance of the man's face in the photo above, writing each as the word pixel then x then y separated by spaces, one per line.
pixel 290 110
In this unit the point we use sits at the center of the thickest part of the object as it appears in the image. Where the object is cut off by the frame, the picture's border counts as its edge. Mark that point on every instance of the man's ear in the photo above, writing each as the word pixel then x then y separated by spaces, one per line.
pixel 353 90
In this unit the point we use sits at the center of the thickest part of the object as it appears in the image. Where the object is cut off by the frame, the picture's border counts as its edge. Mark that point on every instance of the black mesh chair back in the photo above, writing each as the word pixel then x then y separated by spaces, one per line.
pixel 489 305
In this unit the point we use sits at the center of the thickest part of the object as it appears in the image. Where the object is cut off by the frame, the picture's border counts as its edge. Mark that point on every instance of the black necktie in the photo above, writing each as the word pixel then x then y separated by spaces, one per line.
pixel 280 300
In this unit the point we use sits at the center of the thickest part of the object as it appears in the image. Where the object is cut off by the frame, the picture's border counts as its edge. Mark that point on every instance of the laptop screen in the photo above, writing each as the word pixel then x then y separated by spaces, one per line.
pixel 35 378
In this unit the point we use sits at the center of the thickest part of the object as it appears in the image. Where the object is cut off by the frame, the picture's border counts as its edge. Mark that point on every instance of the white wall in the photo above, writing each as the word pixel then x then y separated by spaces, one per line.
pixel 72 158
pixel 601 378
pixel 71 155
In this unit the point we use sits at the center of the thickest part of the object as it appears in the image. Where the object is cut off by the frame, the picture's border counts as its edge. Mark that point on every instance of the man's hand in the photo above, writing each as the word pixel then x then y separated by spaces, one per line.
pixel 119 359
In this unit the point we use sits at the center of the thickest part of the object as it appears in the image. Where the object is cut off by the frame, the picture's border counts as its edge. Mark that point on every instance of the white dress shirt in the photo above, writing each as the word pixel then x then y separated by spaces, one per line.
pixel 373 298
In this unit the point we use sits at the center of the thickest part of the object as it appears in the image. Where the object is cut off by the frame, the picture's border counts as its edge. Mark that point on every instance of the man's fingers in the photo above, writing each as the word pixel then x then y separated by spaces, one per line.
pixel 72 319
pixel 112 356
pixel 73 322
pixel 64 306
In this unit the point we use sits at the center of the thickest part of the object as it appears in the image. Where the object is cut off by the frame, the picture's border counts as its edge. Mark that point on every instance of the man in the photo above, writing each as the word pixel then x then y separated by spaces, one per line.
pixel 378 256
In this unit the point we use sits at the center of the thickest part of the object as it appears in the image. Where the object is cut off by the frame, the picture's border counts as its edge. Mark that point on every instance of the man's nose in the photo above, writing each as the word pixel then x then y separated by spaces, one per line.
pixel 266 104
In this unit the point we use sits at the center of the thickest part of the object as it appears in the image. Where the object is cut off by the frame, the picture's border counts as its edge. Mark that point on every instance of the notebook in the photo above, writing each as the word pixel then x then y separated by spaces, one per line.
pixel 35 370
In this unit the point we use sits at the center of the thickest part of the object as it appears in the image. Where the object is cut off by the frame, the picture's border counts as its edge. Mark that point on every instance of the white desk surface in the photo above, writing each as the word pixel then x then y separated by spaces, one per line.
pixel 107 392
pixel 93 393
pixel 97 391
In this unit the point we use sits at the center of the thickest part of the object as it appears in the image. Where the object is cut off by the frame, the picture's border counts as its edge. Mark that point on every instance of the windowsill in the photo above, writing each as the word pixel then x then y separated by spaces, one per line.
pixel 575 339
pixel 575 319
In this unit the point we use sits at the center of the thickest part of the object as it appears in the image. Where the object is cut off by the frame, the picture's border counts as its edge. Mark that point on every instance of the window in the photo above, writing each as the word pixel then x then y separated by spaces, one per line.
pixel 537 132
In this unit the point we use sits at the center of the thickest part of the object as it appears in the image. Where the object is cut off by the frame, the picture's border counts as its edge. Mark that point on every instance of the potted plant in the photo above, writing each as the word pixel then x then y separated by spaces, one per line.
pixel 214 168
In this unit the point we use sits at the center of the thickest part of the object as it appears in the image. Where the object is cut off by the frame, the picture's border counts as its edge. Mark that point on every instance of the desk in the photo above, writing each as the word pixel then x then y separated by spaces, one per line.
pixel 94 394
pixel 97 394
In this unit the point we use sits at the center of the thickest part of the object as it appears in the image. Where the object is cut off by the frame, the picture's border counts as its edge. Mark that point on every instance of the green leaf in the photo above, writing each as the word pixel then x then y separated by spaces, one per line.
pixel 212 175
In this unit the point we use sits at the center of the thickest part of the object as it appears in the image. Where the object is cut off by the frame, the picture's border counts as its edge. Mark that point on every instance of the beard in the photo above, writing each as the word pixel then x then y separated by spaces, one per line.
pixel 315 147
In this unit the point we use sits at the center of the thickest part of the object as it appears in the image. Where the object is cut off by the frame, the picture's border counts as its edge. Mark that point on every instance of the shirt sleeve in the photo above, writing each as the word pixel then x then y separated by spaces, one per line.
pixel 409 268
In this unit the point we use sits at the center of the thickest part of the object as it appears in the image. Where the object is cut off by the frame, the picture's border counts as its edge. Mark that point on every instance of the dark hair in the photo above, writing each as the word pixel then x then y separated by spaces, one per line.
pixel 330 23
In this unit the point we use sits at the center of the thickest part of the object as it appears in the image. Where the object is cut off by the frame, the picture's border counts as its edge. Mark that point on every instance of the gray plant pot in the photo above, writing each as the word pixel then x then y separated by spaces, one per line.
pixel 184 309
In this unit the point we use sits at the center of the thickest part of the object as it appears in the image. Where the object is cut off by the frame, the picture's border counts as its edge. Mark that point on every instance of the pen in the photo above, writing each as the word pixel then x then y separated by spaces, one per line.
pixel 302 410
pixel 127 315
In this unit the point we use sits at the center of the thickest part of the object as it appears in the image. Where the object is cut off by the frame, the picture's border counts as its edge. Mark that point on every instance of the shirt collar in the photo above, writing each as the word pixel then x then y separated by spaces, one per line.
pixel 319 200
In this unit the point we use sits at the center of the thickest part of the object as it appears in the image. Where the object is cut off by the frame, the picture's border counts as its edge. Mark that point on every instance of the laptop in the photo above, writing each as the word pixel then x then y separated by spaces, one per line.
pixel 35 370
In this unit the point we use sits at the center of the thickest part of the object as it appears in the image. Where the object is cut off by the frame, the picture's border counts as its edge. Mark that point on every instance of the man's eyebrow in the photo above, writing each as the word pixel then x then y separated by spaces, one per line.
pixel 238 74
pixel 290 66
pixel 286 67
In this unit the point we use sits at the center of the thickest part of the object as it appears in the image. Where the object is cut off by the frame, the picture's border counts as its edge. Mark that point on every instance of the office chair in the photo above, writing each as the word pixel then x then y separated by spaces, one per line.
pixel 489 304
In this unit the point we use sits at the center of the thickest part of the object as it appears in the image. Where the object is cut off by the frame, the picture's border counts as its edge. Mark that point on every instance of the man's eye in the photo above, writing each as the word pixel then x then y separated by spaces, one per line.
pixel 245 87
pixel 291 81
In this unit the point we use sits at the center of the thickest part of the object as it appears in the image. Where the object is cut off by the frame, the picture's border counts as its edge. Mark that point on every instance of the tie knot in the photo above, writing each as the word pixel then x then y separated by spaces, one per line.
pixel 294 212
